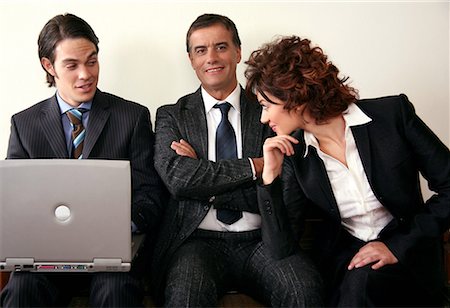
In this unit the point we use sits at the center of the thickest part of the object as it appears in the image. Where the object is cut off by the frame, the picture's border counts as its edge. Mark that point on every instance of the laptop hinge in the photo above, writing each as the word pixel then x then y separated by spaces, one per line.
pixel 19 264
pixel 109 264
pixel 19 261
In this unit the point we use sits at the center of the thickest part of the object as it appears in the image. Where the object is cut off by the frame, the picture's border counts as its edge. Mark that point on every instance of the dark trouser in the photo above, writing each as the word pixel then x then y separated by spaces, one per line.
pixel 26 289
pixel 210 263
pixel 392 285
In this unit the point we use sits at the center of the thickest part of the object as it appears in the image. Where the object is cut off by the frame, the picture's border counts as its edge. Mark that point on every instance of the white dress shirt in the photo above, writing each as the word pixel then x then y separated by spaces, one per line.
pixel 361 212
pixel 249 221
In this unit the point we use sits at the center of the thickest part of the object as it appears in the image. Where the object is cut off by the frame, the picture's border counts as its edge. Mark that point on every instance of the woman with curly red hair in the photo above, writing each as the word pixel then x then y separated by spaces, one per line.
pixel 356 163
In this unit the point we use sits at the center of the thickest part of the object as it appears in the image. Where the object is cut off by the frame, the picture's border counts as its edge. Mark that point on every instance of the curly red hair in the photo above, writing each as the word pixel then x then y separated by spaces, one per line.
pixel 293 71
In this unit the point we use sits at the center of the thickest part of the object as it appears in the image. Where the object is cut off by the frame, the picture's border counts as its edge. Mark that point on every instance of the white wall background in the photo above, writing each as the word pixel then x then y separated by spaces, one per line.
pixel 384 47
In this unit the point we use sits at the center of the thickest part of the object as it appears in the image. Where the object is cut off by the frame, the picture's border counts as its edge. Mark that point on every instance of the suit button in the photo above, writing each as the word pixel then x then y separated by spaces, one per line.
pixel 211 200
pixel 206 207
pixel 182 236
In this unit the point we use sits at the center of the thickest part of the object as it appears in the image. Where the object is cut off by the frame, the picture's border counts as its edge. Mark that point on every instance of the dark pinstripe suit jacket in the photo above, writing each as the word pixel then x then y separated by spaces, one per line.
pixel 117 129
pixel 197 184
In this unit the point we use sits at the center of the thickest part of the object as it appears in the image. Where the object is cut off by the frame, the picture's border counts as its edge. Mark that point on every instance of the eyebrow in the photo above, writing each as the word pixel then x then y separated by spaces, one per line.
pixel 205 46
pixel 70 60
pixel 266 98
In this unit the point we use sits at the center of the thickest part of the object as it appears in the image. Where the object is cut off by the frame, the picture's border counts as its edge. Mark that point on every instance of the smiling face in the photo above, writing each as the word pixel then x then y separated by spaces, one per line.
pixel 214 57
pixel 75 69
pixel 282 121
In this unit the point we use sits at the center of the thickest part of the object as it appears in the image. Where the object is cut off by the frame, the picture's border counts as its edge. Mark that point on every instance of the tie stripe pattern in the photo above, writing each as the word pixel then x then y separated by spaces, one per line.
pixel 78 132
pixel 226 149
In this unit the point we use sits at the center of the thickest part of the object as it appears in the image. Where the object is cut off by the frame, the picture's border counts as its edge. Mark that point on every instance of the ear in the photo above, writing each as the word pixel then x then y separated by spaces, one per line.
pixel 191 59
pixel 48 66
pixel 239 55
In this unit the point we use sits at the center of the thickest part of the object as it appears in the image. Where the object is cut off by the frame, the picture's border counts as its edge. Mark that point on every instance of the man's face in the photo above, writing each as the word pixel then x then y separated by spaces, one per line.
pixel 214 58
pixel 75 70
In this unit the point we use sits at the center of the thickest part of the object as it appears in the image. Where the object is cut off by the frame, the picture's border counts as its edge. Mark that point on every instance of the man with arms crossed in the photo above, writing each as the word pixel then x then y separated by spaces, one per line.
pixel 113 129
pixel 211 233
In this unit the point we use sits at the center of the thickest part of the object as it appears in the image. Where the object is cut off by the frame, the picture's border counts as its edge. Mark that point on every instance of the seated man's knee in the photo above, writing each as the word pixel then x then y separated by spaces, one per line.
pixel 299 283
pixel 192 280
pixel 115 290
pixel 28 289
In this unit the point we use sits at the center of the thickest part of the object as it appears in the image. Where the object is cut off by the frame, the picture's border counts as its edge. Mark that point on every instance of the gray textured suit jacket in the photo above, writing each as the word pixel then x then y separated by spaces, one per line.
pixel 117 129
pixel 197 184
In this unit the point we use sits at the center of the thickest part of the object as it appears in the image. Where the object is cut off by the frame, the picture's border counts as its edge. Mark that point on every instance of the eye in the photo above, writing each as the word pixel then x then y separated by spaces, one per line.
pixel 92 62
pixel 221 47
pixel 71 67
pixel 200 51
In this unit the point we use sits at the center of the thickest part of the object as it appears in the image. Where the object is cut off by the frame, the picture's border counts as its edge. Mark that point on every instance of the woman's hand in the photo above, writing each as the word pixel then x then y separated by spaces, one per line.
pixel 274 150
pixel 183 148
pixel 374 252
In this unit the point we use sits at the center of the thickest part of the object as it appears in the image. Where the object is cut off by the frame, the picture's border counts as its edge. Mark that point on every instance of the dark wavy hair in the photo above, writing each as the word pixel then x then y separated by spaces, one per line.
pixel 293 71
pixel 59 28
pixel 207 20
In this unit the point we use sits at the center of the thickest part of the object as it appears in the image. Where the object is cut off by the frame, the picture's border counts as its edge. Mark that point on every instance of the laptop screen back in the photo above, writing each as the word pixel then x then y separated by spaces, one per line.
pixel 61 214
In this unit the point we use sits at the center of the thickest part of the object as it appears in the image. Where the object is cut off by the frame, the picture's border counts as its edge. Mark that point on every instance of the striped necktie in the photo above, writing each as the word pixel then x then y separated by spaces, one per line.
pixel 78 132
pixel 226 149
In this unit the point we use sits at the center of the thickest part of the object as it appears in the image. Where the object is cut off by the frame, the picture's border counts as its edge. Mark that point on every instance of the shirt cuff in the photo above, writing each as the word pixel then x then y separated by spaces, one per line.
pixel 253 168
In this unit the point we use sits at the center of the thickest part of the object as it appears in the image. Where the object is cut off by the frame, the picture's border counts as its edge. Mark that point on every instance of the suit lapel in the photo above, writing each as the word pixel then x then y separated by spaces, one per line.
pixel 252 128
pixel 98 117
pixel 52 128
pixel 194 119
pixel 361 135
pixel 313 177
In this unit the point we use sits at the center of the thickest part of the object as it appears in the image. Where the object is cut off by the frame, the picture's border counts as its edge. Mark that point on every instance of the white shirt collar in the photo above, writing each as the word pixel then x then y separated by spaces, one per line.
pixel 234 99
pixel 353 116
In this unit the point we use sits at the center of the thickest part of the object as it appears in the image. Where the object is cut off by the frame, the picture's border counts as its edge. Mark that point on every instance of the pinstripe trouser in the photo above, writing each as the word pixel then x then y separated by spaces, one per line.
pixel 26 289
pixel 210 263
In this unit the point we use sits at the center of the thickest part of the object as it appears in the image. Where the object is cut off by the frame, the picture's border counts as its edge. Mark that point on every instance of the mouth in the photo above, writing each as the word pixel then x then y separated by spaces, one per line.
pixel 215 69
pixel 85 87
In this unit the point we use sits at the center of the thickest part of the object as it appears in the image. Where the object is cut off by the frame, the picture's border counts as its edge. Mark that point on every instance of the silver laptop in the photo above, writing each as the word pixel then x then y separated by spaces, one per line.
pixel 65 215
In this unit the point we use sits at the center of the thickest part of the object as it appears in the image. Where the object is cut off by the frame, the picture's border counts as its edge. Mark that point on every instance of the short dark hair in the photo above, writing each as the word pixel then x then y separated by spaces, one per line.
pixel 206 20
pixel 59 28
pixel 297 73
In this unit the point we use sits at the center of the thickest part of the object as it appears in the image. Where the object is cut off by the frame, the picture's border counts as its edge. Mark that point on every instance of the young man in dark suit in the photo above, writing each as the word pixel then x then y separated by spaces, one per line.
pixel 109 128
pixel 208 153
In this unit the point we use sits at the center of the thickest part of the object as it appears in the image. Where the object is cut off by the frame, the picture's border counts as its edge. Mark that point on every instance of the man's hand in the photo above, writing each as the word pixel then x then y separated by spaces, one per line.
pixel 373 252
pixel 183 148
pixel 258 163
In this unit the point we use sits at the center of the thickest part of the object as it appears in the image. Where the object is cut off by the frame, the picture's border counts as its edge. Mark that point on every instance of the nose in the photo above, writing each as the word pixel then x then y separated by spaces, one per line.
pixel 264 117
pixel 84 72
pixel 212 55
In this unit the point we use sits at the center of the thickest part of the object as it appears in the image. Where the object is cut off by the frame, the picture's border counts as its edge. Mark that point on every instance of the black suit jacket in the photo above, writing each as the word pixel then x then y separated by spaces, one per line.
pixel 197 184
pixel 117 129
pixel 394 148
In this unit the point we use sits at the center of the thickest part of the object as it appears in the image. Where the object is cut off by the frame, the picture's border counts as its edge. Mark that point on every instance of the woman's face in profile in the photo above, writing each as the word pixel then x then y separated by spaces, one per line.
pixel 280 120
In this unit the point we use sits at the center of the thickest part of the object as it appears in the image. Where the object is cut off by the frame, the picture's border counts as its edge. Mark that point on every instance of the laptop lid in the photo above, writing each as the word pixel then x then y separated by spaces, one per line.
pixel 65 215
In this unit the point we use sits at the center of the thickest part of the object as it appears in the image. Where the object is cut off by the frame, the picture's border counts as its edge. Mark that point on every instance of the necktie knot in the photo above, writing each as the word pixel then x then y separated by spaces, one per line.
pixel 224 108
pixel 75 115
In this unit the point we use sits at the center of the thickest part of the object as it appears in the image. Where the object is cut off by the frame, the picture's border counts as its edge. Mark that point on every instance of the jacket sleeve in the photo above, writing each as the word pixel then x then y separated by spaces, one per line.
pixel 201 179
pixel 15 148
pixel 432 159
pixel 148 190
pixel 282 205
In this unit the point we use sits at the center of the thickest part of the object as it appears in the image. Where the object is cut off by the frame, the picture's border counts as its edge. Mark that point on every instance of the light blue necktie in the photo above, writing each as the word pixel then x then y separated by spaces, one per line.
pixel 226 149
pixel 78 132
